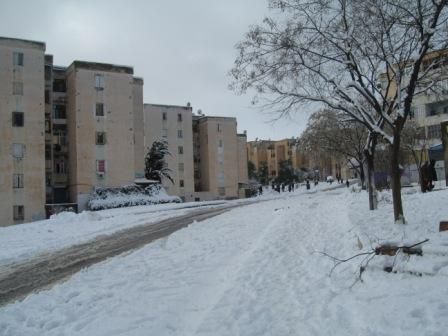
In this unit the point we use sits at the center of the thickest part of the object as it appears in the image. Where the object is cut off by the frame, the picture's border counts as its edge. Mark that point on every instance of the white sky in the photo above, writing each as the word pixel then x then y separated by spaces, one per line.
pixel 183 49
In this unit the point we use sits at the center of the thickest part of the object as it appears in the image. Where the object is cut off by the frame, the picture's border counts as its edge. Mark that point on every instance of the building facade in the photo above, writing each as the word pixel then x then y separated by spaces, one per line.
pixel 216 157
pixel 100 119
pixel 22 131
pixel 173 124
pixel 66 130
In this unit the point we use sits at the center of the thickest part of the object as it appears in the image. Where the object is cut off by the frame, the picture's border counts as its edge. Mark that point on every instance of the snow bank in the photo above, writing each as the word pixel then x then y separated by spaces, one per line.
pixel 132 195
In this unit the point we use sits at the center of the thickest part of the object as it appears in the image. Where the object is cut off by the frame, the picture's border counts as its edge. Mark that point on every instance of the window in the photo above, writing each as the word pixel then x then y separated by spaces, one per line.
pixel 101 166
pixel 17 58
pixel 47 152
pixel 220 143
pixel 164 133
pixel 163 115
pixel 99 110
pixel 17 88
pixel 180 149
pixel 221 191
pixel 434 132
pixel 59 112
pixel 18 212
pixel 18 150
pixel 181 166
pixel 100 138
pixel 47 126
pixel 17 181
pixel 99 82
pixel 181 183
pixel 218 128
pixel 59 85
pixel 17 119
pixel 179 117
pixel 47 97
pixel 180 134
pixel 47 72
pixel 59 167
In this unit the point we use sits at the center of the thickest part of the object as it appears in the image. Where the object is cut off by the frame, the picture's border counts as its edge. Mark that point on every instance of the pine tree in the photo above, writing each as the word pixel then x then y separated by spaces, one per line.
pixel 156 167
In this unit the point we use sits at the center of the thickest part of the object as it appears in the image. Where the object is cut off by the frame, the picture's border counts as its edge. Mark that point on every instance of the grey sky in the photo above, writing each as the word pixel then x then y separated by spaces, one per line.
pixel 182 49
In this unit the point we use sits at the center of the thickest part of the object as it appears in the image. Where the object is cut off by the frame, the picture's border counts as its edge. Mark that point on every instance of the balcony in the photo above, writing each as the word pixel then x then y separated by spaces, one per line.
pixel 60 179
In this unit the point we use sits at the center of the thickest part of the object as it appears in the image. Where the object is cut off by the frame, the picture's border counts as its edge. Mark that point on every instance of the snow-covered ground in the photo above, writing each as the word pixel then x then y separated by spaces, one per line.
pixel 257 270
pixel 19 242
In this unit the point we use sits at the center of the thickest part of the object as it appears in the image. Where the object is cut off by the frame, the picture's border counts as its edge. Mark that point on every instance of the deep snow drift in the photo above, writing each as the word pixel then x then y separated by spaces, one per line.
pixel 257 270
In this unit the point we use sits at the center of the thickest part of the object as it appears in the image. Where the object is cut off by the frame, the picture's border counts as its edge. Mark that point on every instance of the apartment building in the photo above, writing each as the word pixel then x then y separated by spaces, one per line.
pixel 100 120
pixel 216 157
pixel 243 178
pixel 272 153
pixel 174 125
pixel 22 131
pixel 139 128
pixel 56 134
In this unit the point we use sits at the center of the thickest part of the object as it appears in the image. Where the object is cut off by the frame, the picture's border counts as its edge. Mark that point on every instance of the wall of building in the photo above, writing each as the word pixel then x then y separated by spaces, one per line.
pixel 163 122
pixel 242 159
pixel 117 123
pixel 218 155
pixel 139 128
pixel 31 135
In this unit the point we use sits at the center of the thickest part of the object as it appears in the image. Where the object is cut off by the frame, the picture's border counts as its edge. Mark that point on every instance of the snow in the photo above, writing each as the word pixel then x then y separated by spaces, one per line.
pixel 257 270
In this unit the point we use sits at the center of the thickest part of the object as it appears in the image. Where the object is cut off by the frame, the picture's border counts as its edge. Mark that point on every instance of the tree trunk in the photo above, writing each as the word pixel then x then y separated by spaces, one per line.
pixel 395 180
pixel 362 176
pixel 373 203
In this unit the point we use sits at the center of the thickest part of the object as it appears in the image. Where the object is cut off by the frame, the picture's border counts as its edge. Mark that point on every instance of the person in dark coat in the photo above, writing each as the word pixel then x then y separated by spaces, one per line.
pixel 260 190
pixel 424 172
pixel 432 174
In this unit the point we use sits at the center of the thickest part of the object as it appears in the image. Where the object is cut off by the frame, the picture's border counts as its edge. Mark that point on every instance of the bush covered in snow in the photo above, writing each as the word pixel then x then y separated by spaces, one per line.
pixel 131 195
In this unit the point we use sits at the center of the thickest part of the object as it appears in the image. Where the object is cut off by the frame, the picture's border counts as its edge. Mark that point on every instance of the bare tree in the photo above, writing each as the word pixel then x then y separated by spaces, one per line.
pixel 334 135
pixel 335 52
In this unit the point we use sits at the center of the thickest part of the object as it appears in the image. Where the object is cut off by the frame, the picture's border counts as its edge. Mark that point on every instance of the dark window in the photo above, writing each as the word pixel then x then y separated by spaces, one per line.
pixel 18 119
pixel 18 212
pixel 47 72
pixel 47 97
pixel 180 149
pixel 163 115
pixel 99 111
pixel 179 117
pixel 17 181
pixel 60 112
pixel 100 138
pixel 181 183
pixel 59 85
pixel 47 152
pixel 179 134
pixel 434 132
pixel 17 58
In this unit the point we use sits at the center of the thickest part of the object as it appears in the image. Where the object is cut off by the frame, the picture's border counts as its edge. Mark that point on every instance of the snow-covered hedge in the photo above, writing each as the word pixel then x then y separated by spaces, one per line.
pixel 131 195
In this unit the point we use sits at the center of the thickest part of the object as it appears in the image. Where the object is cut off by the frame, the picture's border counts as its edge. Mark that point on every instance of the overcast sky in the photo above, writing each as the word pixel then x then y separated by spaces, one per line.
pixel 183 49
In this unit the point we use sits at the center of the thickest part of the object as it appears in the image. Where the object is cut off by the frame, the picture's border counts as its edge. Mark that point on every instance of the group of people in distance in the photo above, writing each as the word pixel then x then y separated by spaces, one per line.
pixel 428 175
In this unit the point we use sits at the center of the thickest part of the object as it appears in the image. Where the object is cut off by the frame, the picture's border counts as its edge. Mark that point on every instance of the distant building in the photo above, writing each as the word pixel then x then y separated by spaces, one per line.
pixel 272 153
pixel 22 131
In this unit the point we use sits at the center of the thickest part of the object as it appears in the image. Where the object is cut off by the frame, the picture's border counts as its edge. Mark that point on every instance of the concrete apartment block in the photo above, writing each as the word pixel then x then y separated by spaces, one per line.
pixel 174 124
pixel 22 131
pixel 243 177
pixel 216 157
pixel 100 120
pixel 139 128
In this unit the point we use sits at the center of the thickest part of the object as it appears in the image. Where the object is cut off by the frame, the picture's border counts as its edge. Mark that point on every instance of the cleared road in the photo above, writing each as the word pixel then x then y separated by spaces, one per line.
pixel 19 280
